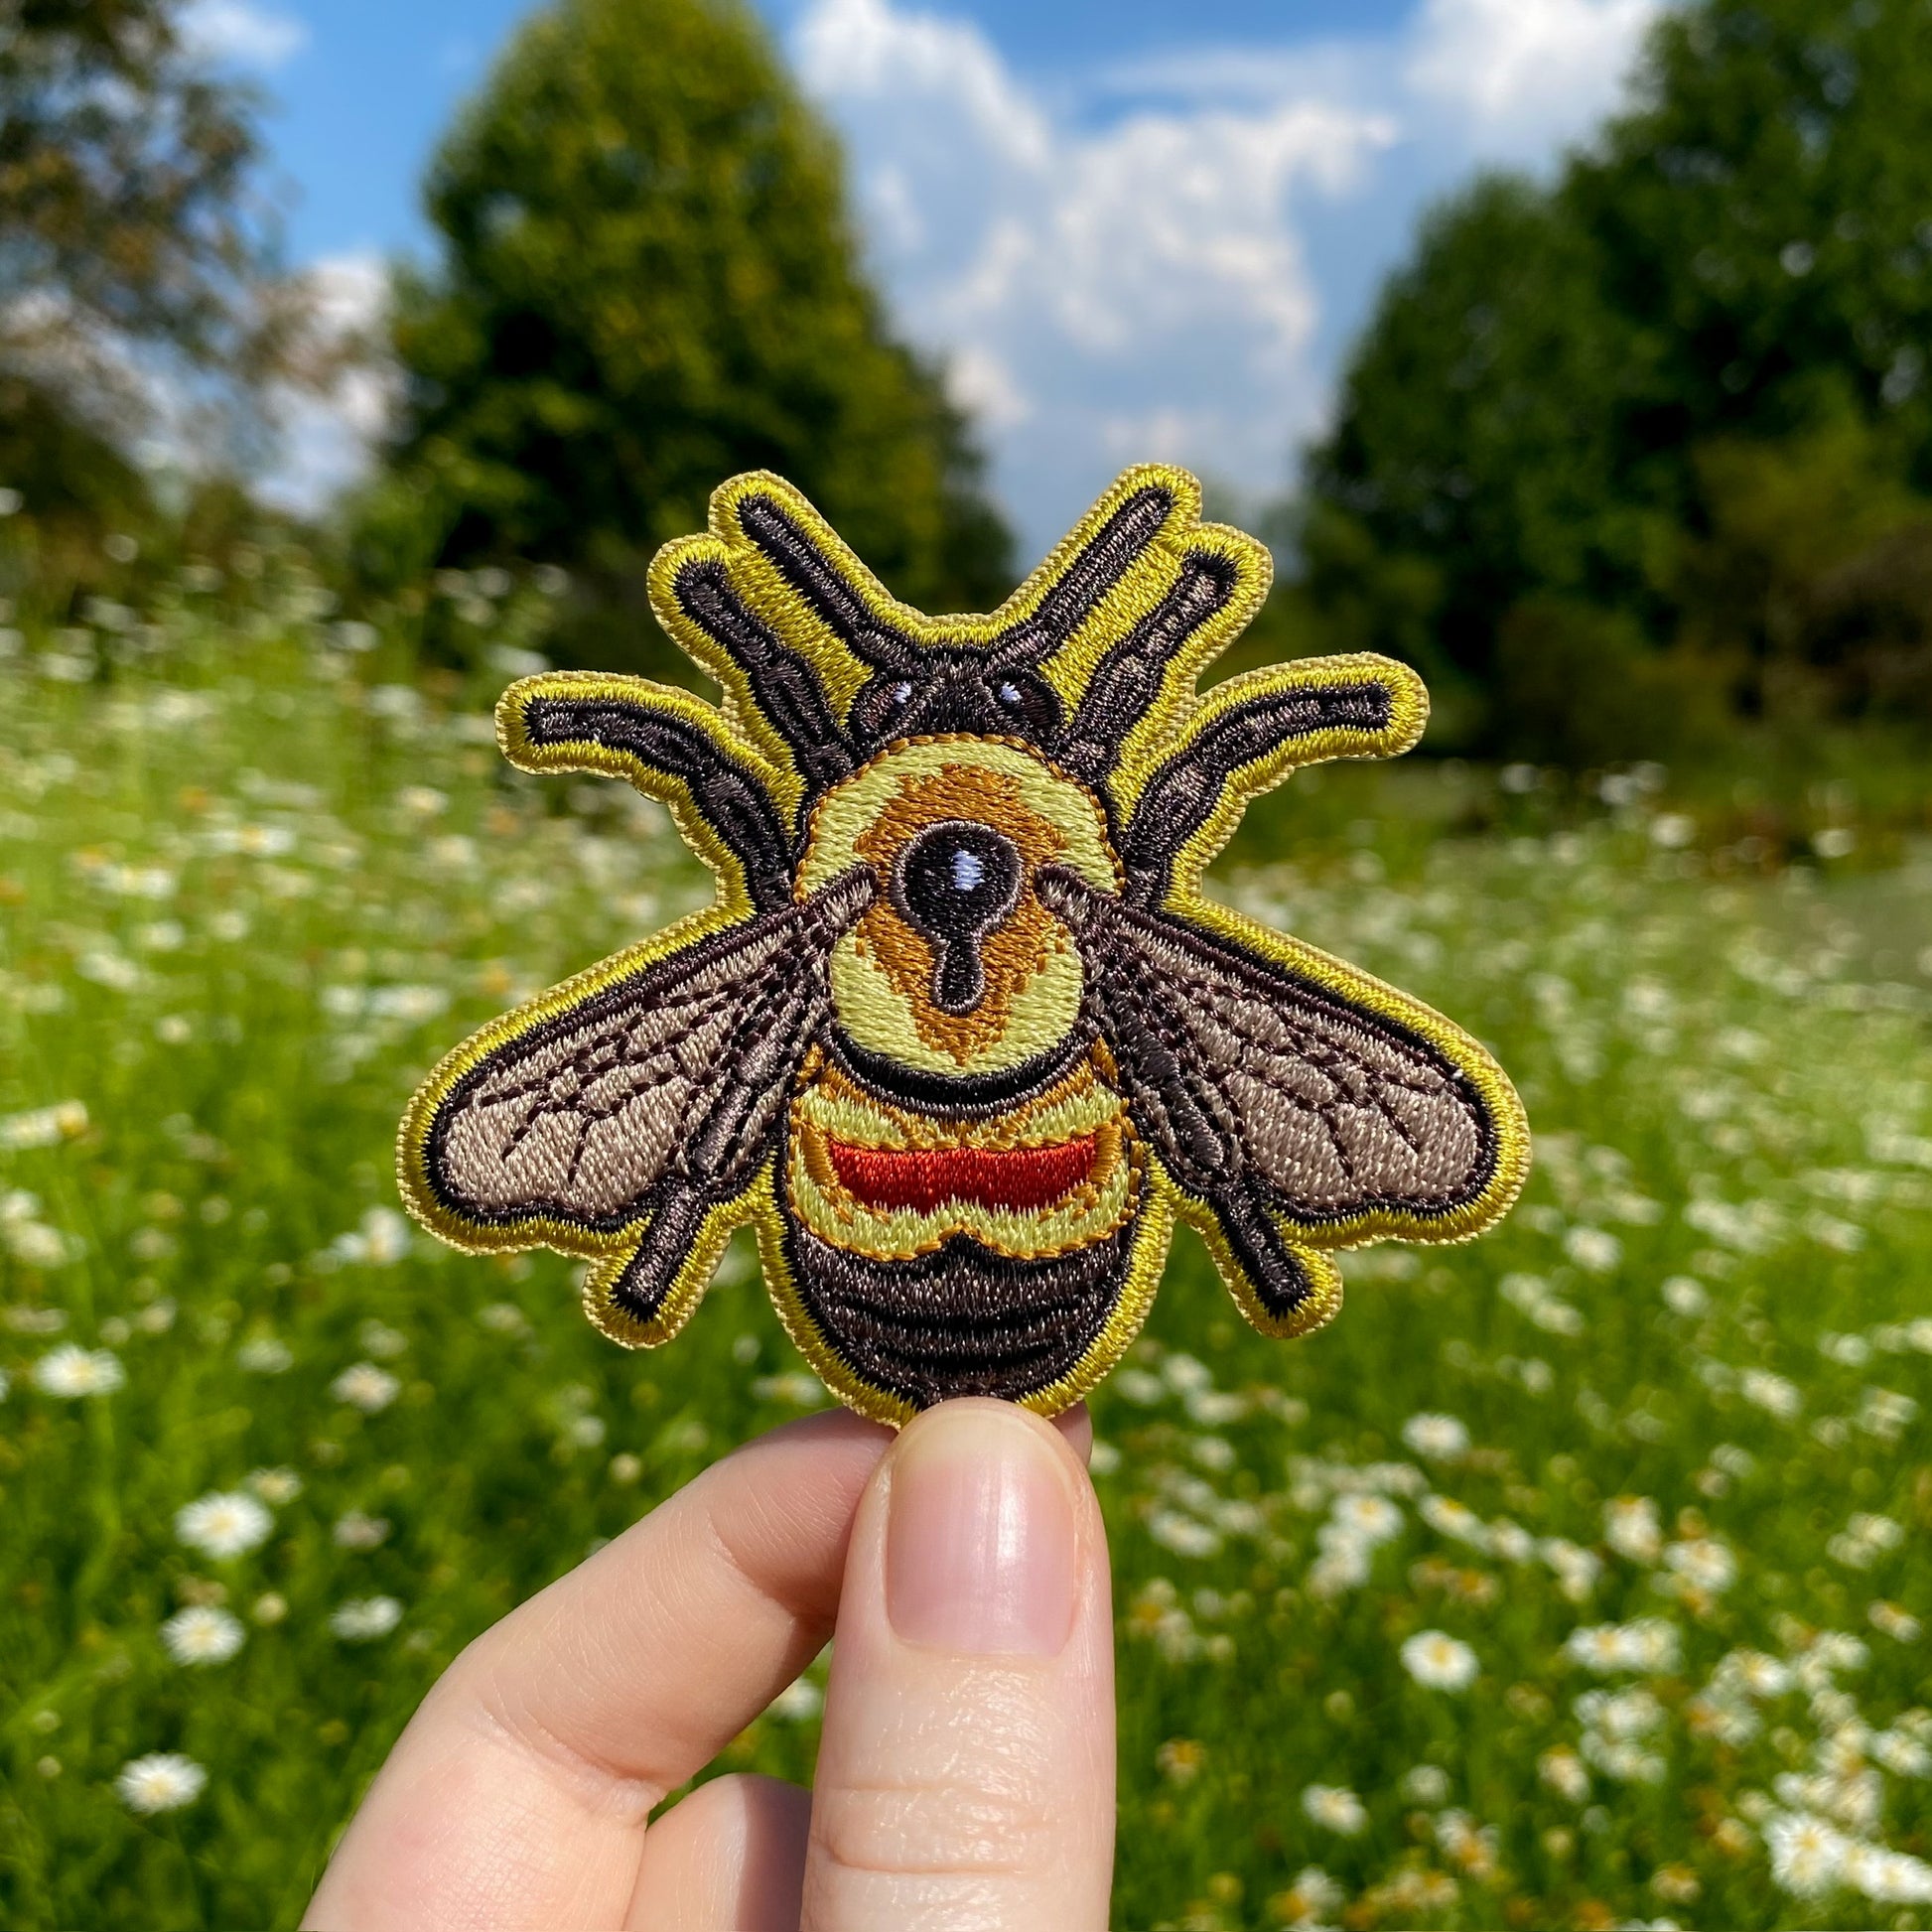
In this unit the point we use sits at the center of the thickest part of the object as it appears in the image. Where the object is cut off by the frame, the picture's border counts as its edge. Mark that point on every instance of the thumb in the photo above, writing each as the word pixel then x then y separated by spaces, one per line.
pixel 966 1771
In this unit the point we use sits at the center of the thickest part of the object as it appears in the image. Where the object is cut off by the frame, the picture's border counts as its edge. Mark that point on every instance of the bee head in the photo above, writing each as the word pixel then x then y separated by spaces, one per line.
pixel 926 691
pixel 958 968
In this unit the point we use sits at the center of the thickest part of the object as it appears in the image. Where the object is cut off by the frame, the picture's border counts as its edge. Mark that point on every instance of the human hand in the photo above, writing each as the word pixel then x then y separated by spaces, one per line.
pixel 966 1770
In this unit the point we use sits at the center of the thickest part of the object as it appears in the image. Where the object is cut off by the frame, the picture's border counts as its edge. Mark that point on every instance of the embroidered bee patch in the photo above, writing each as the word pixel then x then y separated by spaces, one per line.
pixel 960 1037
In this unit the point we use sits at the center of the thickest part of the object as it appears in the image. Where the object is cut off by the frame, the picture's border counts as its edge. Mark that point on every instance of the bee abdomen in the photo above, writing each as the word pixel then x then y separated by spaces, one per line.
pixel 961 1320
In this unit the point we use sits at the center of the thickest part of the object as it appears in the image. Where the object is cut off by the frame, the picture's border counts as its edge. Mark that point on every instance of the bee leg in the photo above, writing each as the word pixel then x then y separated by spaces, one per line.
pixel 1280 1278
pixel 640 1288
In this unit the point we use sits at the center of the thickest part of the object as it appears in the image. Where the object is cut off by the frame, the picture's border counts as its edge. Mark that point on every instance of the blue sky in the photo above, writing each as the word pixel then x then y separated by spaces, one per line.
pixel 1128 229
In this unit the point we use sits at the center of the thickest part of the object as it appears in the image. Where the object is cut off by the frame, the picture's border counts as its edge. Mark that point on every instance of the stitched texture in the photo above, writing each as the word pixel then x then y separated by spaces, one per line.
pixel 989 1176
pixel 961 1037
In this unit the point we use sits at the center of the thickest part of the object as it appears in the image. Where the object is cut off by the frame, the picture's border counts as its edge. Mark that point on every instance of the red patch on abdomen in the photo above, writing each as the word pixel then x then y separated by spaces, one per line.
pixel 987 1176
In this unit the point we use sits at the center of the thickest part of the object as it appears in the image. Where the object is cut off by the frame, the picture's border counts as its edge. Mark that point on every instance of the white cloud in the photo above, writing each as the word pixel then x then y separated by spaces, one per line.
pixel 866 50
pixel 980 384
pixel 1161 265
pixel 1162 257
pixel 241 31
pixel 1102 292
pixel 1526 72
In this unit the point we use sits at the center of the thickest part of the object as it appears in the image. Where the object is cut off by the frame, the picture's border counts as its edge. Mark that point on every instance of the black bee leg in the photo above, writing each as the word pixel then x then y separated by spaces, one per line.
pixel 647 1275
pixel 1187 791
pixel 727 796
pixel 1281 1282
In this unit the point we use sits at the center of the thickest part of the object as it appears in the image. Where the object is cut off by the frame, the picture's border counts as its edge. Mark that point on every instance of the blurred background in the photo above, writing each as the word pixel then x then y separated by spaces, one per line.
pixel 356 358
pixel 1573 351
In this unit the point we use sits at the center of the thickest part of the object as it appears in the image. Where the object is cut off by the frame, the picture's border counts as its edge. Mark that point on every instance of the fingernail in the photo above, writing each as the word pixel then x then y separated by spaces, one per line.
pixel 980 1537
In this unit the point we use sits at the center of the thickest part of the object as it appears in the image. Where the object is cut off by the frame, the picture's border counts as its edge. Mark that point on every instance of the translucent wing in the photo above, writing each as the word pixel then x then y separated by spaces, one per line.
pixel 1273 1097
pixel 658 1089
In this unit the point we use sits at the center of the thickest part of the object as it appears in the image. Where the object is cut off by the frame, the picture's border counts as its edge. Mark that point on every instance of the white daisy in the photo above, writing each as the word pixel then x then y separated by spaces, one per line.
pixel 1651 1644
pixel 1594 1249
pixel 1335 1809
pixel 1452 1518
pixel 1704 1562
pixel 365 1387
pixel 1563 1771
pixel 1756 1674
pixel 1891 1877
pixel 226 1523
pixel 1344 1568
pixel 202 1635
pixel 1631 1528
pixel 1439 1662
pixel 72 1371
pixel 1684 1296
pixel 1315 1895
pixel 1900 1624
pixel 161 1781
pixel 1901 1754
pixel 355 1530
pixel 1365 1519
pixel 275 1486
pixel 1807 1854
pixel 364 1618
pixel 1648 1644
pixel 1442 1438
pixel 800 1702
pixel 1621 1713
pixel 1183 1534
pixel 1511 1541
pixel 1576 1568
pixel 1782 1397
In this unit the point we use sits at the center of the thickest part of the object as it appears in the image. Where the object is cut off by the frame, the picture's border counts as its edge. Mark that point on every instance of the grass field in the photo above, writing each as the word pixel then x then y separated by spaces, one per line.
pixel 1652 1460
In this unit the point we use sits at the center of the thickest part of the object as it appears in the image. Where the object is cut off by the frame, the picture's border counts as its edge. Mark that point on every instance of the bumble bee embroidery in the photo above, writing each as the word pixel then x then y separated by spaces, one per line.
pixel 960 1035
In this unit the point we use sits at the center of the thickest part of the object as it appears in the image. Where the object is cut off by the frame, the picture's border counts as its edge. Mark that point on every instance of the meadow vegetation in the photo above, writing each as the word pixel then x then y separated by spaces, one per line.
pixel 1576 1578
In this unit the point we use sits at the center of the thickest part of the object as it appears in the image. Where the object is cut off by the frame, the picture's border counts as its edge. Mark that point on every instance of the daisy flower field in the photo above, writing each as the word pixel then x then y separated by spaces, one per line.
pixel 1579 1577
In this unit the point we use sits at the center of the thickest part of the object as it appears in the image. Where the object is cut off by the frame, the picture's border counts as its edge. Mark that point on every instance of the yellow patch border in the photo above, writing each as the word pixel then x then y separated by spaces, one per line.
pixel 1175 718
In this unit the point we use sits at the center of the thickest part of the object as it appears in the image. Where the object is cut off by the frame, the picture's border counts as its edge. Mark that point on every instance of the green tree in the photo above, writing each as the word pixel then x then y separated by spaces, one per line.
pixel 132 242
pixel 1556 401
pixel 1484 438
pixel 647 282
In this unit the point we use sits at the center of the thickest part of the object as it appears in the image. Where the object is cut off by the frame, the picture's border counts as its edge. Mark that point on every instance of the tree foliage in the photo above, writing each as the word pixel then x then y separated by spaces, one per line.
pixel 1587 392
pixel 647 282
pixel 131 241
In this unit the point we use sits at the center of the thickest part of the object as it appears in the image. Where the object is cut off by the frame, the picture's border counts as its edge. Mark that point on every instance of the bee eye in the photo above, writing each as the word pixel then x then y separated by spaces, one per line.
pixel 1027 702
pixel 881 706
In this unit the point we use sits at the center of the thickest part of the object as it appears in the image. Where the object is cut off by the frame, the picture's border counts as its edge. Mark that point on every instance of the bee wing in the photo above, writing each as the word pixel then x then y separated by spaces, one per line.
pixel 661 1085
pixel 1278 1098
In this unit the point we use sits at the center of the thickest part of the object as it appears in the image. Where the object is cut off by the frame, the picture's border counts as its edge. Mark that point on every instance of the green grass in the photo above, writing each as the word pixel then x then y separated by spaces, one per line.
pixel 248 890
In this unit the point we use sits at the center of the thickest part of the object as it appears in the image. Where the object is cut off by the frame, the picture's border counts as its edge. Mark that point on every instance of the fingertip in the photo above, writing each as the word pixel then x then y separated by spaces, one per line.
pixel 1076 1426
pixel 732 1854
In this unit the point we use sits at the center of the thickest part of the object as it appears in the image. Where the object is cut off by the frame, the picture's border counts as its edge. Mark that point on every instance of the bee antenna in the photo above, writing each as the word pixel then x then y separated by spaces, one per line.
pixel 1100 563
pixel 1128 678
pixel 784 684
pixel 803 564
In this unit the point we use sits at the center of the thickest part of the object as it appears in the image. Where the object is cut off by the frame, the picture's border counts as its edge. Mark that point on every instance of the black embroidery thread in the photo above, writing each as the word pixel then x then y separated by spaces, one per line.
pixel 961 1039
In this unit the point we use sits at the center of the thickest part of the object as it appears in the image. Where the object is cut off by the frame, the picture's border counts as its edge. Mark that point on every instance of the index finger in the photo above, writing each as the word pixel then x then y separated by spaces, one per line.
pixel 519 1792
